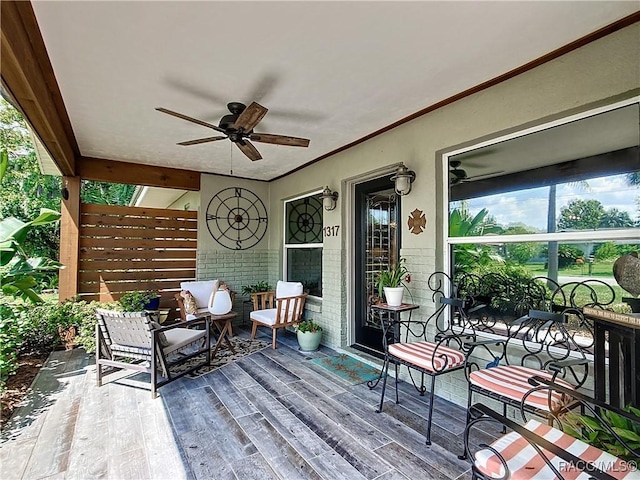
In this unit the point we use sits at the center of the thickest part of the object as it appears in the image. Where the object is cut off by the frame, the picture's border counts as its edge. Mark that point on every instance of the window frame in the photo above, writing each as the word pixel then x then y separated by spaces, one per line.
pixel 573 236
pixel 299 246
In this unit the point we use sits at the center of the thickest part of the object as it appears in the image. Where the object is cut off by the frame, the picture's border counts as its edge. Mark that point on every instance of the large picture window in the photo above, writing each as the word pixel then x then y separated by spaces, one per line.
pixel 561 202
pixel 303 242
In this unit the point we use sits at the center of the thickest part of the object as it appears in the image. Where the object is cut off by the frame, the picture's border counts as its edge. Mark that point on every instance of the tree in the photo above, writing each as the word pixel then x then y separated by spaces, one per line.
pixel 633 179
pixel 522 252
pixel 581 215
pixel 614 218
pixel 462 224
pixel 24 190
pixel 106 193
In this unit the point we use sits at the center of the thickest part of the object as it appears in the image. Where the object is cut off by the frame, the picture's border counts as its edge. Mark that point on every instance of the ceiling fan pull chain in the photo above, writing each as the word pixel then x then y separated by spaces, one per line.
pixel 231 158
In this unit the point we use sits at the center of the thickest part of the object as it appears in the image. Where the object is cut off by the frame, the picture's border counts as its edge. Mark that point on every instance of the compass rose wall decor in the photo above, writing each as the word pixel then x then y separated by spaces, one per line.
pixel 236 218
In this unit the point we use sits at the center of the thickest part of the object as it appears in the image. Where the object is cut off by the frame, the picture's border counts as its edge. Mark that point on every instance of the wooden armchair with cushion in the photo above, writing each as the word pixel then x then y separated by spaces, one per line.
pixel 200 301
pixel 132 341
pixel 263 300
pixel 288 309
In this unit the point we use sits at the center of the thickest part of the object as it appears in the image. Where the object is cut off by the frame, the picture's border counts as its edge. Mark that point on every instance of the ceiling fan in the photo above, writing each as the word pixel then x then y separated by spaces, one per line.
pixel 458 175
pixel 238 127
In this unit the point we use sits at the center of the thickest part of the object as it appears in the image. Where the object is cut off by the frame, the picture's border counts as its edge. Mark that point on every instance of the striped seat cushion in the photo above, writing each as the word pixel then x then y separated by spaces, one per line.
pixel 512 381
pixel 422 355
pixel 524 462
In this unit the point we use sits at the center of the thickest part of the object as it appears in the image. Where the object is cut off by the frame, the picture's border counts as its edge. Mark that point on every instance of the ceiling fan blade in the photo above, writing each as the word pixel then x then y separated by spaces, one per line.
pixel 249 150
pixel 250 117
pixel 190 119
pixel 279 139
pixel 202 140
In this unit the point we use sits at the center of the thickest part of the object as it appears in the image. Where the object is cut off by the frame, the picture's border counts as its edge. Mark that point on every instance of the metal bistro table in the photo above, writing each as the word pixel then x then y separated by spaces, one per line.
pixel 392 335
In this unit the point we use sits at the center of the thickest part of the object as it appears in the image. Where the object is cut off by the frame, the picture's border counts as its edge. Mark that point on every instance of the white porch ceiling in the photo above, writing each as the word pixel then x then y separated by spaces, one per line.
pixel 332 72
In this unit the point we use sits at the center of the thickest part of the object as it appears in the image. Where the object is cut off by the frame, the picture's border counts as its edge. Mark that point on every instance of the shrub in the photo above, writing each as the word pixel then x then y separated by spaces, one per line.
pixel 11 335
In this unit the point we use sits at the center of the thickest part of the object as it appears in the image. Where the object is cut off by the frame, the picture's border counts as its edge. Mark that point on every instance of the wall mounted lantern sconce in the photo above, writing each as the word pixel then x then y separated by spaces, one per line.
pixel 403 180
pixel 329 198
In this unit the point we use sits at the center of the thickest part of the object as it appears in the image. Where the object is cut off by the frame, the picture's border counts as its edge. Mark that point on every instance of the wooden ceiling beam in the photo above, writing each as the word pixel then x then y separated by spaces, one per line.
pixel 104 170
pixel 27 76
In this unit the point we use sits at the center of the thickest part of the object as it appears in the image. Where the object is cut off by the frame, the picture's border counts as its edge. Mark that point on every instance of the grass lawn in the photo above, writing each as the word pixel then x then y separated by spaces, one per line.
pixel 598 269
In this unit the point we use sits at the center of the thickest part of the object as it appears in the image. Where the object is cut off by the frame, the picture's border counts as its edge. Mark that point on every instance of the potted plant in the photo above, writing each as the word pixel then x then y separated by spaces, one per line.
pixel 257 287
pixel 391 283
pixel 309 335
pixel 140 300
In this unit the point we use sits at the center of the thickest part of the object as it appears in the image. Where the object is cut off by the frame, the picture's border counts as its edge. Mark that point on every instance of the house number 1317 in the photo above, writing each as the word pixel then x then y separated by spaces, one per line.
pixel 331 231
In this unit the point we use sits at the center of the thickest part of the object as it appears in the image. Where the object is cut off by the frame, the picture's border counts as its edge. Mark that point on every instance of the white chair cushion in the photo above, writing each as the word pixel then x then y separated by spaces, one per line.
pixel 266 317
pixel 180 337
pixel 200 290
pixel 288 289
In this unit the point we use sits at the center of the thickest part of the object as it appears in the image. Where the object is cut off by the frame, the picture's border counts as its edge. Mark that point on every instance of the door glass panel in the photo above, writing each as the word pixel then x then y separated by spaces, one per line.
pixel 381 245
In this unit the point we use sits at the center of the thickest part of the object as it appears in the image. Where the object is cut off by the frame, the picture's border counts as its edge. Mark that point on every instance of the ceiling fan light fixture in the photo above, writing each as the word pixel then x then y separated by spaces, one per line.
pixel 403 179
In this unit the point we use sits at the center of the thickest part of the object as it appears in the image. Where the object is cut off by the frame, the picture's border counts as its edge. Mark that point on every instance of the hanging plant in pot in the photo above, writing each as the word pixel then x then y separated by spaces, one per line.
pixel 391 283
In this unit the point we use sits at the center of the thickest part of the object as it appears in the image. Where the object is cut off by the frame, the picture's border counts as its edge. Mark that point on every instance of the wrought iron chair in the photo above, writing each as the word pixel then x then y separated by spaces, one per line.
pixel 538 344
pixel 544 339
pixel 407 342
pixel 131 341
pixel 288 310
pixel 535 450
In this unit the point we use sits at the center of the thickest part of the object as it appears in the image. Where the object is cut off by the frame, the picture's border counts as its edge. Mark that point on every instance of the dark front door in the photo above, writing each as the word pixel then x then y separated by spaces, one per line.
pixel 377 247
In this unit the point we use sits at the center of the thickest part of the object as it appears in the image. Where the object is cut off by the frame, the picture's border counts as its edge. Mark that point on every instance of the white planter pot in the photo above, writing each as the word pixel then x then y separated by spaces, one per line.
pixel 393 296
pixel 309 341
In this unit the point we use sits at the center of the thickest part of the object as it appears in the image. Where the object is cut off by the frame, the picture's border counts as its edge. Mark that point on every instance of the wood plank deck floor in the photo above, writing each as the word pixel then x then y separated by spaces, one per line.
pixel 273 414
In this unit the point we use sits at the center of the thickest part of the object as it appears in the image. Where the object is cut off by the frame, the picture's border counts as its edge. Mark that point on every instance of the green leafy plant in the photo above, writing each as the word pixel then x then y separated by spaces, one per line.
pixel 137 300
pixel 592 431
pixel 255 288
pixel 394 277
pixel 308 326
pixel 20 273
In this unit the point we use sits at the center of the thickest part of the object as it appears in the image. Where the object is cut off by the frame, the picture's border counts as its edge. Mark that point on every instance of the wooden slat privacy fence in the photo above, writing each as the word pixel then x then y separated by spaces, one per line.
pixel 123 249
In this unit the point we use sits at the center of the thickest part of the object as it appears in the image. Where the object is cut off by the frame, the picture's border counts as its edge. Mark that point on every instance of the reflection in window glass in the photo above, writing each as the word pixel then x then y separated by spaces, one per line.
pixel 604 211
pixel 596 204
pixel 305 265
